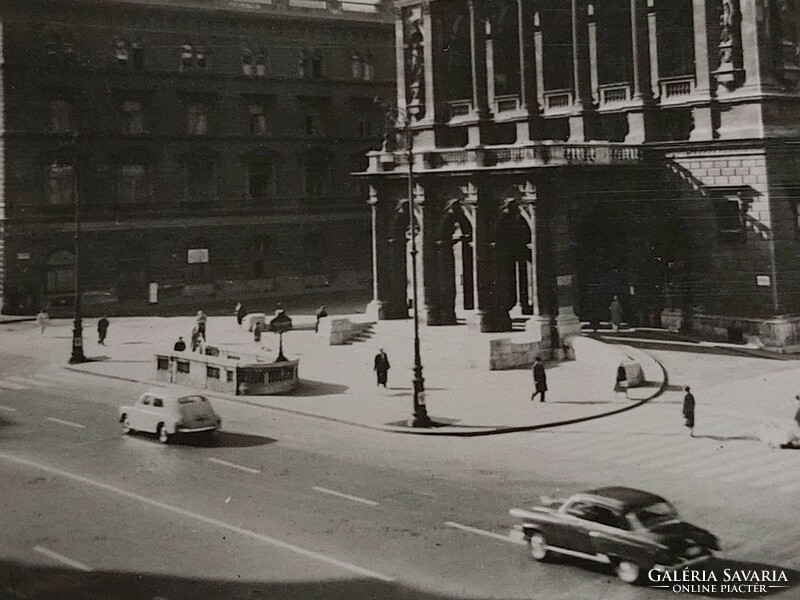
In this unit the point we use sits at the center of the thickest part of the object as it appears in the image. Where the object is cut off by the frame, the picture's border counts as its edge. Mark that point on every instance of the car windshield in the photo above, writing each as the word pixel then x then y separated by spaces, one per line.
pixel 191 399
pixel 652 515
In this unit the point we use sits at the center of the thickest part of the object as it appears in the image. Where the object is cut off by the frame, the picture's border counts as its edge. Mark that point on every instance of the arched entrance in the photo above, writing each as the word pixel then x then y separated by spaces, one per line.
pixel 454 264
pixel 602 258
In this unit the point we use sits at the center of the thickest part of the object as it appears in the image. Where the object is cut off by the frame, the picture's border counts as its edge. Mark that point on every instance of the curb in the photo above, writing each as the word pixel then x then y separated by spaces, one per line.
pixel 443 431
pixel 7 320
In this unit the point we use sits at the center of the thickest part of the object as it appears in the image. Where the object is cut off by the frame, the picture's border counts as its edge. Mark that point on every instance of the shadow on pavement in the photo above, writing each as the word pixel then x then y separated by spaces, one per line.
pixel 49 583
pixel 231 439
pixel 309 387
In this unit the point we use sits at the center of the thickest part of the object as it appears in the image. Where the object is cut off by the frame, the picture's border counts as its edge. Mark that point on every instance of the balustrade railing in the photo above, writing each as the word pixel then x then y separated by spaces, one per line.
pixel 676 87
pixel 614 93
pixel 557 100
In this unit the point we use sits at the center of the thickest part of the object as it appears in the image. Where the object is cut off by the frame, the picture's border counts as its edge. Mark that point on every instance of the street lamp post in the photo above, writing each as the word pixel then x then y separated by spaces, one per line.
pixel 77 355
pixel 420 417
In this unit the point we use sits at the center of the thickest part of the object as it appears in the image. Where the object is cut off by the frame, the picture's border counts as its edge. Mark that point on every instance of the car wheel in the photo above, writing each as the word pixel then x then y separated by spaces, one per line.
pixel 538 546
pixel 126 426
pixel 163 436
pixel 628 571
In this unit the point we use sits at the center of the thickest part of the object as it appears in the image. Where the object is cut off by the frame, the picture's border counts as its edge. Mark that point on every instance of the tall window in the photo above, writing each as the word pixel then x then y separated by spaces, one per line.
pixel 505 36
pixel 134 184
pixel 614 45
pixel 137 55
pixel 261 179
pixel 121 53
pixel 200 179
pixel 304 64
pixel 247 62
pixel 258 119
pixel 260 250
pixel 60 272
pixel 317 176
pixel 675 38
pixel 557 39
pixel 61 116
pixel 369 67
pixel 261 64
pixel 356 66
pixel 132 116
pixel 197 118
pixel 312 119
pixel 316 64
pixel 60 183
pixel 187 55
pixel 201 58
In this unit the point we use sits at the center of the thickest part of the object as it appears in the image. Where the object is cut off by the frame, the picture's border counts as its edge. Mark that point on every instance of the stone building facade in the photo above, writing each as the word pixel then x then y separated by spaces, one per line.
pixel 567 151
pixel 208 144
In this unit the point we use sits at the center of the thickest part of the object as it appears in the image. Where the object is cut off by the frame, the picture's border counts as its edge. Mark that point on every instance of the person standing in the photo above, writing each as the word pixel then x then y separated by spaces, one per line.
pixel 42 319
pixel 321 313
pixel 102 330
pixel 539 379
pixel 180 345
pixel 195 337
pixel 615 308
pixel 688 410
pixel 257 329
pixel 240 313
pixel 201 324
pixel 382 367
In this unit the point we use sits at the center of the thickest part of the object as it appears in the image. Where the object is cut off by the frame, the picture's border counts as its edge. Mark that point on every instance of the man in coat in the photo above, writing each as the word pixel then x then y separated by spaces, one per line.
pixel 615 308
pixel 539 379
pixel 688 410
pixel 381 367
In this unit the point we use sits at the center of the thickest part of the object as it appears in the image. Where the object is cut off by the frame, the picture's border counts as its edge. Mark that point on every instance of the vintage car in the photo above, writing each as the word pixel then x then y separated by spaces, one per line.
pixel 631 530
pixel 168 413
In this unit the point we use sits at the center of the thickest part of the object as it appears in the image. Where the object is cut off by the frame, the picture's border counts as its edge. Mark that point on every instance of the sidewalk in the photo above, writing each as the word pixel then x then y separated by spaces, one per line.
pixel 338 382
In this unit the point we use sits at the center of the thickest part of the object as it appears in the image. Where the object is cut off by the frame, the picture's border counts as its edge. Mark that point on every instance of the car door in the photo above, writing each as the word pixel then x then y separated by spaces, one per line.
pixel 611 534
pixel 157 413
pixel 139 416
pixel 572 532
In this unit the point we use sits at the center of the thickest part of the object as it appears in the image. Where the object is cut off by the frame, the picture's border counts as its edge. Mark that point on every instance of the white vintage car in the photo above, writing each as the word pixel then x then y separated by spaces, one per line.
pixel 168 413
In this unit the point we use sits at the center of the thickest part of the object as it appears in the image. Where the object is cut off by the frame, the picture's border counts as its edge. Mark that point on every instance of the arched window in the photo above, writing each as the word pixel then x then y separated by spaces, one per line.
pixel 260 255
pixel 134 182
pixel 356 66
pixel 247 62
pixel 60 276
pixel 317 176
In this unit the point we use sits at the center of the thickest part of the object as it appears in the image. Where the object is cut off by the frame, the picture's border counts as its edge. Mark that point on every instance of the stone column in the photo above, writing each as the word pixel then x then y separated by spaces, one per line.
pixel 582 106
pixel 593 67
pixel 427 32
pixel 392 224
pixel 642 90
pixel 480 98
pixel 400 49
pixel 703 125
pixel 528 79
pixel 563 244
pixel 652 38
pixel 374 307
pixel 539 323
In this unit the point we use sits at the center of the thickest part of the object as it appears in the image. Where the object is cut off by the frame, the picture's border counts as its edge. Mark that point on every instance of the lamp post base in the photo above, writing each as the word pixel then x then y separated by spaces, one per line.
pixel 77 355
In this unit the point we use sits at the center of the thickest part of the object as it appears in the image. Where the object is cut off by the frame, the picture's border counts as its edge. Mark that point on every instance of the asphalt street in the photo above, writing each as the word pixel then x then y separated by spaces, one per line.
pixel 285 506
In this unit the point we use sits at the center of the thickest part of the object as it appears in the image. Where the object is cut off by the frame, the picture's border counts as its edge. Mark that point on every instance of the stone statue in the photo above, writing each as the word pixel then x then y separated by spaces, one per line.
pixel 416 67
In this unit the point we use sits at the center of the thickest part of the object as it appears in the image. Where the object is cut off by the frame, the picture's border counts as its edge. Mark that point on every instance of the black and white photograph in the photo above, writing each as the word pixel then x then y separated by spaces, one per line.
pixel 399 299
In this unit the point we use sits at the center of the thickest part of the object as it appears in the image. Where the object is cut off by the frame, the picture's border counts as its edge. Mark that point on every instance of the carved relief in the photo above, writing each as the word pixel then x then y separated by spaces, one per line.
pixel 730 73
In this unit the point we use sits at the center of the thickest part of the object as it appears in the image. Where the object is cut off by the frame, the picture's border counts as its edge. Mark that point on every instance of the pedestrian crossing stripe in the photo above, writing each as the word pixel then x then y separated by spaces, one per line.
pixel 23 380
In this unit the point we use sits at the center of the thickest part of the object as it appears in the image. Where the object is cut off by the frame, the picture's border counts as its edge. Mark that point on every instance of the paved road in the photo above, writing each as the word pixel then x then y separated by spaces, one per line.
pixel 291 507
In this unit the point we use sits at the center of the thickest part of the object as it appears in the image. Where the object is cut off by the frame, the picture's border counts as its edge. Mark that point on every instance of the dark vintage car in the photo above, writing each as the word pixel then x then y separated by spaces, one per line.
pixel 631 530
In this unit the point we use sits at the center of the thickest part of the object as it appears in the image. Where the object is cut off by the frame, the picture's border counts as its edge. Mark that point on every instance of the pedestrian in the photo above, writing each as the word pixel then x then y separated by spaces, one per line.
pixel 240 313
pixel 180 345
pixel 539 379
pixel 42 319
pixel 615 308
pixel 321 313
pixel 201 324
pixel 381 367
pixel 102 329
pixel 257 329
pixel 622 379
pixel 195 337
pixel 688 410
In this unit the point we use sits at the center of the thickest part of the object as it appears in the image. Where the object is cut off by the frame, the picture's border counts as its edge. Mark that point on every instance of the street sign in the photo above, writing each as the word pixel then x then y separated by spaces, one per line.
pixel 197 255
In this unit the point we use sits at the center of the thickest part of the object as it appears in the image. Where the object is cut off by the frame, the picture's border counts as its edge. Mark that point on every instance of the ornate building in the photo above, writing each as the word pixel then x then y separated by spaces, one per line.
pixel 208 144
pixel 567 151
